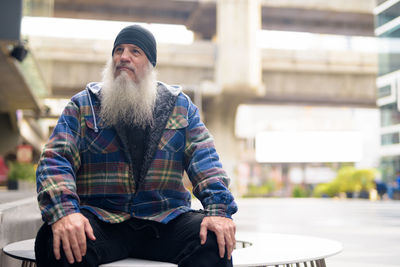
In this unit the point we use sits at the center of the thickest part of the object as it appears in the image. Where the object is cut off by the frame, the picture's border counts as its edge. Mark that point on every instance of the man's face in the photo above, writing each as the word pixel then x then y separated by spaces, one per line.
pixel 131 59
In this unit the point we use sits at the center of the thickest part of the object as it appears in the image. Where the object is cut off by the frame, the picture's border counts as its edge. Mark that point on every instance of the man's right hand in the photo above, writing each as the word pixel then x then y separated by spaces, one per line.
pixel 71 231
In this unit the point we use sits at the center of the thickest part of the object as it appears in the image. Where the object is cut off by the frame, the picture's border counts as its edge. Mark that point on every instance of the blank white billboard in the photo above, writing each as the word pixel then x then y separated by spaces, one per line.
pixel 309 146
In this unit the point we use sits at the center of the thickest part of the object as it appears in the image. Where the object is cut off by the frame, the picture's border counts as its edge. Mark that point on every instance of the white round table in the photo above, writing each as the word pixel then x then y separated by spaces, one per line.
pixel 253 249
pixel 269 249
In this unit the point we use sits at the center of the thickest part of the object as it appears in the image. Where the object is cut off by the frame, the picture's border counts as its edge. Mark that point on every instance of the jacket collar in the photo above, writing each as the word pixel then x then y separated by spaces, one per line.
pixel 165 104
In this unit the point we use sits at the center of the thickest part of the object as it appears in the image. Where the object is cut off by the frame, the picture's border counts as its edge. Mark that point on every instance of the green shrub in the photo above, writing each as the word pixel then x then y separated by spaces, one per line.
pixel 345 179
pixel 364 179
pixel 320 190
pixel 333 189
pixel 260 190
pixel 22 171
pixel 328 189
pixel 299 191
pixel 348 179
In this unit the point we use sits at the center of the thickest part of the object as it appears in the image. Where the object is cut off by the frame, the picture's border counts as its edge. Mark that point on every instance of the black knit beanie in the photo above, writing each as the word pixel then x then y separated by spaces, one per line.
pixel 141 37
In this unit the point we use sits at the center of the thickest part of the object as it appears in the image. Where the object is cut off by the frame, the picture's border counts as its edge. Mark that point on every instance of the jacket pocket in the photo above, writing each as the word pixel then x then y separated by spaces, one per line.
pixel 173 138
pixel 104 141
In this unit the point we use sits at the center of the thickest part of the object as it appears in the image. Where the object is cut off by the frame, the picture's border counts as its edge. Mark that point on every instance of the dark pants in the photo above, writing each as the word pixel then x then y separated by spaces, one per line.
pixel 176 242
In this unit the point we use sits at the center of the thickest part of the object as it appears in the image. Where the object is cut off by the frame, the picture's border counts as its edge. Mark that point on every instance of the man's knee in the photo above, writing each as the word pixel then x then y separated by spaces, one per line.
pixel 206 255
pixel 45 256
pixel 44 247
pixel 211 244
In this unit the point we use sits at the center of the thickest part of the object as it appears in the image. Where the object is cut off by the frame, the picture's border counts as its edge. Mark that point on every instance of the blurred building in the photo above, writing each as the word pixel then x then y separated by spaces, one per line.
pixel 387 23
pixel 21 85
pixel 255 68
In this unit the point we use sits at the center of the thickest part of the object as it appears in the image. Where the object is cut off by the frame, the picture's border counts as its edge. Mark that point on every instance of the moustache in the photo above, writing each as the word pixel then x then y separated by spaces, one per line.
pixel 125 66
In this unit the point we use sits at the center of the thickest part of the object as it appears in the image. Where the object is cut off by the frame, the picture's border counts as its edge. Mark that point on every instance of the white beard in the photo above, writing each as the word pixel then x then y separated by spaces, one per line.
pixel 126 102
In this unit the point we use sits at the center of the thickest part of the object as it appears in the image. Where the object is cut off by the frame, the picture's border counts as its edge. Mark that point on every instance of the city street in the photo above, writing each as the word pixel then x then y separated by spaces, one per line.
pixel 369 231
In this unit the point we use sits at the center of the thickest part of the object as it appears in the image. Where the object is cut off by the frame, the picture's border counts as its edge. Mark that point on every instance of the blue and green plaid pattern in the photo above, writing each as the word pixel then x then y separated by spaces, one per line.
pixel 80 168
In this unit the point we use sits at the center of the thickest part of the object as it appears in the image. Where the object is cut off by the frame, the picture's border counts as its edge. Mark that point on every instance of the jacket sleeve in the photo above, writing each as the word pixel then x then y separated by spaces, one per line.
pixel 56 172
pixel 210 182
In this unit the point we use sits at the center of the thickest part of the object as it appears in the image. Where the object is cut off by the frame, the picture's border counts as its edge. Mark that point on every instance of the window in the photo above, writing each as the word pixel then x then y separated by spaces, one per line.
pixel 384 91
pixel 387 15
pixel 390 139
pixel 389 115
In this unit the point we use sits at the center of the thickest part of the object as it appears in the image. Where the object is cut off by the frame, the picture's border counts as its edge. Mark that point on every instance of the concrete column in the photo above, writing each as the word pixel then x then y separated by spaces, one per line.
pixel 238 65
pixel 220 113
pixel 237 74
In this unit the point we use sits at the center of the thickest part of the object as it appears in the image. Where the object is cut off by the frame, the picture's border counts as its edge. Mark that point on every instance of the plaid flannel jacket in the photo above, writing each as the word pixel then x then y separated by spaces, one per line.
pixel 87 166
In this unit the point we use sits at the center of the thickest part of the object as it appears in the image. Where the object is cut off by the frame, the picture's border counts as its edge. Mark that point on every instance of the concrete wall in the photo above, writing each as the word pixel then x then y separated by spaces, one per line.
pixel 325 87
pixel 19 220
pixel 362 6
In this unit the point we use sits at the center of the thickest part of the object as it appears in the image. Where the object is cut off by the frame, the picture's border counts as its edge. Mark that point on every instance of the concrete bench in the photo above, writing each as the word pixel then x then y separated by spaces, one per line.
pixel 253 249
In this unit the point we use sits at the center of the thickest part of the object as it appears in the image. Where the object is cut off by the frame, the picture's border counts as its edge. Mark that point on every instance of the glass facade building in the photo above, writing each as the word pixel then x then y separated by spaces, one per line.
pixel 387 29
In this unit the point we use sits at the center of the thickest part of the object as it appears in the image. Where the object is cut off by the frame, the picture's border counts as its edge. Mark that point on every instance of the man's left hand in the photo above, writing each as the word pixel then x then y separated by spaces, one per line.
pixel 224 229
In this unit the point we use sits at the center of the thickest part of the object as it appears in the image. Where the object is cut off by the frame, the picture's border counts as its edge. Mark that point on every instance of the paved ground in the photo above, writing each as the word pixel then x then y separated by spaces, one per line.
pixel 12 195
pixel 369 231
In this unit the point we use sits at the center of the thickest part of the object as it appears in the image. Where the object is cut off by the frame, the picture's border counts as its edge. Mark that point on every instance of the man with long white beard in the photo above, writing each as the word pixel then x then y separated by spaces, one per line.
pixel 110 178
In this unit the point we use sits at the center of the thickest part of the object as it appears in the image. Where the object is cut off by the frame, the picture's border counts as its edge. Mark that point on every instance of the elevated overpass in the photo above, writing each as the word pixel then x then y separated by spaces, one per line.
pixel 223 67
pixel 333 78
pixel 222 27
pixel 287 75
pixel 336 17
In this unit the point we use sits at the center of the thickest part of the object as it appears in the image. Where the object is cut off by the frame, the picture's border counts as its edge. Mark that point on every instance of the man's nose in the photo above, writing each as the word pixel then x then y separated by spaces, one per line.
pixel 125 55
